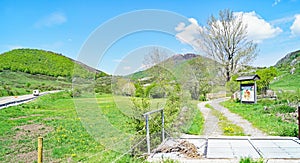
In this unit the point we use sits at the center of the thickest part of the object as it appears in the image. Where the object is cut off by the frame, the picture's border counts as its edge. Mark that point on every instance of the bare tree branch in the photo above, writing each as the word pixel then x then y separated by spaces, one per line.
pixel 225 40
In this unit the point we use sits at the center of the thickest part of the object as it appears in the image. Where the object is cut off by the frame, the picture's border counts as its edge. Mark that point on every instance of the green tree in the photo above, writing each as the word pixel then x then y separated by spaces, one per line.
pixel 232 85
pixel 266 76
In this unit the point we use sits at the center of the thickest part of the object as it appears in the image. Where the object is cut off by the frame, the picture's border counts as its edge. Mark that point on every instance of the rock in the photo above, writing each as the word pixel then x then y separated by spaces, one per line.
pixel 293 70
pixel 271 93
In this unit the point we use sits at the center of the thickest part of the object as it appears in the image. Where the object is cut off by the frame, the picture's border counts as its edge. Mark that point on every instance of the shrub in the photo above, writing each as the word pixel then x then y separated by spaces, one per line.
pixel 284 109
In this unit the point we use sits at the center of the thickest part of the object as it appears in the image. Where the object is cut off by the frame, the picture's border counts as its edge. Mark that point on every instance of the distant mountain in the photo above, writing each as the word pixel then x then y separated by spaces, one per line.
pixel 179 65
pixel 289 60
pixel 173 62
pixel 34 61
pixel 179 58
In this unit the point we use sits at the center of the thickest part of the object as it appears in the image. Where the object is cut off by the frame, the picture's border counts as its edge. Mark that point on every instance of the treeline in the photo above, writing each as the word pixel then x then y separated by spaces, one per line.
pixel 34 61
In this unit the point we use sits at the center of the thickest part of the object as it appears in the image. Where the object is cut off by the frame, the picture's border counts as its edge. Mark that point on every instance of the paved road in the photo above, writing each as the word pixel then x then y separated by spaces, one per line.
pixel 17 100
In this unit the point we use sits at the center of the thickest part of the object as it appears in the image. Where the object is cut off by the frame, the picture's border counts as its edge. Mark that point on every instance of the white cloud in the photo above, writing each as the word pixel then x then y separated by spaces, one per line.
pixel 258 28
pixel 275 2
pixel 55 18
pixel 295 28
pixel 188 33
pixel 283 20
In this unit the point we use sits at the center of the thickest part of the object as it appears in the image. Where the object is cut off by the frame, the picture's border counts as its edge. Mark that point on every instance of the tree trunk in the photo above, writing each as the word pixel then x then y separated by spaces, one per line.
pixel 227 74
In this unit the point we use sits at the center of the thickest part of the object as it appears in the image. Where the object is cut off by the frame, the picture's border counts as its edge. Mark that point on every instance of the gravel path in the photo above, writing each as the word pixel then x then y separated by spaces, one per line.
pixel 211 127
pixel 236 119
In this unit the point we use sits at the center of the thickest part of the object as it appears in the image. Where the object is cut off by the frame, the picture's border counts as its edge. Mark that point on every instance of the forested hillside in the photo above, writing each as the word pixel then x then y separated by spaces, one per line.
pixel 43 62
pixel 23 70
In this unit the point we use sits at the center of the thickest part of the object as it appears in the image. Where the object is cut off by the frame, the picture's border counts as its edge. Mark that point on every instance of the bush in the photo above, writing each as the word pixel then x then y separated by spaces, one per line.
pixel 289 131
pixel 75 93
pixel 284 109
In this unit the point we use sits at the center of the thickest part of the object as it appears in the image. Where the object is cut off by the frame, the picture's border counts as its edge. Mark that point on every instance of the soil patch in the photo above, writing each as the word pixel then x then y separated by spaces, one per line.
pixel 32 131
pixel 27 157
pixel 22 117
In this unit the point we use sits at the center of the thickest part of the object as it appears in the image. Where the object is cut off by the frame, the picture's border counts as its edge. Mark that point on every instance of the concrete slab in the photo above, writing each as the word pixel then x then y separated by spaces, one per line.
pixel 226 148
pixel 277 148
pixel 232 149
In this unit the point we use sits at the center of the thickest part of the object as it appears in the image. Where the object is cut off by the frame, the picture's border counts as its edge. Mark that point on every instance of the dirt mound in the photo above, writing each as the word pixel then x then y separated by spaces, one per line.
pixel 185 148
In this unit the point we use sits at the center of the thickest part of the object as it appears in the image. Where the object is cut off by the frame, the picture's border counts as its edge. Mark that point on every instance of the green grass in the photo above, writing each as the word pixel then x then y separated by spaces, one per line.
pixel 66 138
pixel 287 82
pixel 265 120
pixel 227 126
pixel 75 130
pixel 196 128
pixel 250 160
pixel 19 83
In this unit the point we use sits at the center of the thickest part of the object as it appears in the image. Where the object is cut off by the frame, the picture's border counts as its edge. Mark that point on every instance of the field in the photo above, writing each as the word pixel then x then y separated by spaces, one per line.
pixel 68 134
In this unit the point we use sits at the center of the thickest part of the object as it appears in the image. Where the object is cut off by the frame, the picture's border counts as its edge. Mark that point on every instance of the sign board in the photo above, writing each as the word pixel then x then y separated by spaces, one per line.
pixel 248 93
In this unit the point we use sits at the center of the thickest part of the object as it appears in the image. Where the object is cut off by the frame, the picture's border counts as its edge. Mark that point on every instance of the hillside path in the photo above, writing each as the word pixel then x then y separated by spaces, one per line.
pixel 211 127
pixel 211 121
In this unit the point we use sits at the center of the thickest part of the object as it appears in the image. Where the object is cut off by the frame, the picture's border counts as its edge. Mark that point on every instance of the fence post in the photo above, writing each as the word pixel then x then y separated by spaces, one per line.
pixel 40 149
pixel 298 121
pixel 148 134
pixel 162 126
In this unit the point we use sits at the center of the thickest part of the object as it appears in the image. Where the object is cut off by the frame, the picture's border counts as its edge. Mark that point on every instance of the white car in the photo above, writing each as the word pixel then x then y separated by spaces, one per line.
pixel 36 92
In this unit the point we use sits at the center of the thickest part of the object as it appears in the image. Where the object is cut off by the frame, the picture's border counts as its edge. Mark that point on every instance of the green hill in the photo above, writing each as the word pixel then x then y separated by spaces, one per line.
pixel 23 70
pixel 43 62
pixel 174 64
pixel 288 72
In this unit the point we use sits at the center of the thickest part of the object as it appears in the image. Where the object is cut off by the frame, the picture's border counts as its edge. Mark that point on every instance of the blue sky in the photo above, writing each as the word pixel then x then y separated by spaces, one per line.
pixel 65 26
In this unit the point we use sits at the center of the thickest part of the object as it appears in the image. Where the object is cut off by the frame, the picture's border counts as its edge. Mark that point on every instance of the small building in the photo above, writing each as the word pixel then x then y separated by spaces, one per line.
pixel 248 91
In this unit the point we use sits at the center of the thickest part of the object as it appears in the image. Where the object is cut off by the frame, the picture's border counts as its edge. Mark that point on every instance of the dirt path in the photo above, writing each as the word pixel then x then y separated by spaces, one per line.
pixel 211 127
pixel 211 122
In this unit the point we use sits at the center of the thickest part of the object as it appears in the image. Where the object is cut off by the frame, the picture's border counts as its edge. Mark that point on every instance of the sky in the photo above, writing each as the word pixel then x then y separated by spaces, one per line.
pixel 121 27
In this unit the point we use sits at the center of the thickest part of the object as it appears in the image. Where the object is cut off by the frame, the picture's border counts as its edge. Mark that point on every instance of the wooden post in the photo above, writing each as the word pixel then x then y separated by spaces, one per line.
pixel 255 92
pixel 148 134
pixel 40 149
pixel 241 92
pixel 299 121
pixel 162 126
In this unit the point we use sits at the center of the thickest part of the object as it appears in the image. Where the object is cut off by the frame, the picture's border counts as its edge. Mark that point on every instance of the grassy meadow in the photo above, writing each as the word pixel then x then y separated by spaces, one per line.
pixel 61 121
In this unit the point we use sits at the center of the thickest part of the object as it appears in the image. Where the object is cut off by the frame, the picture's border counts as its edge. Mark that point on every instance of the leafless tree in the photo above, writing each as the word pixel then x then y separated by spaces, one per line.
pixel 156 63
pixel 155 57
pixel 225 40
